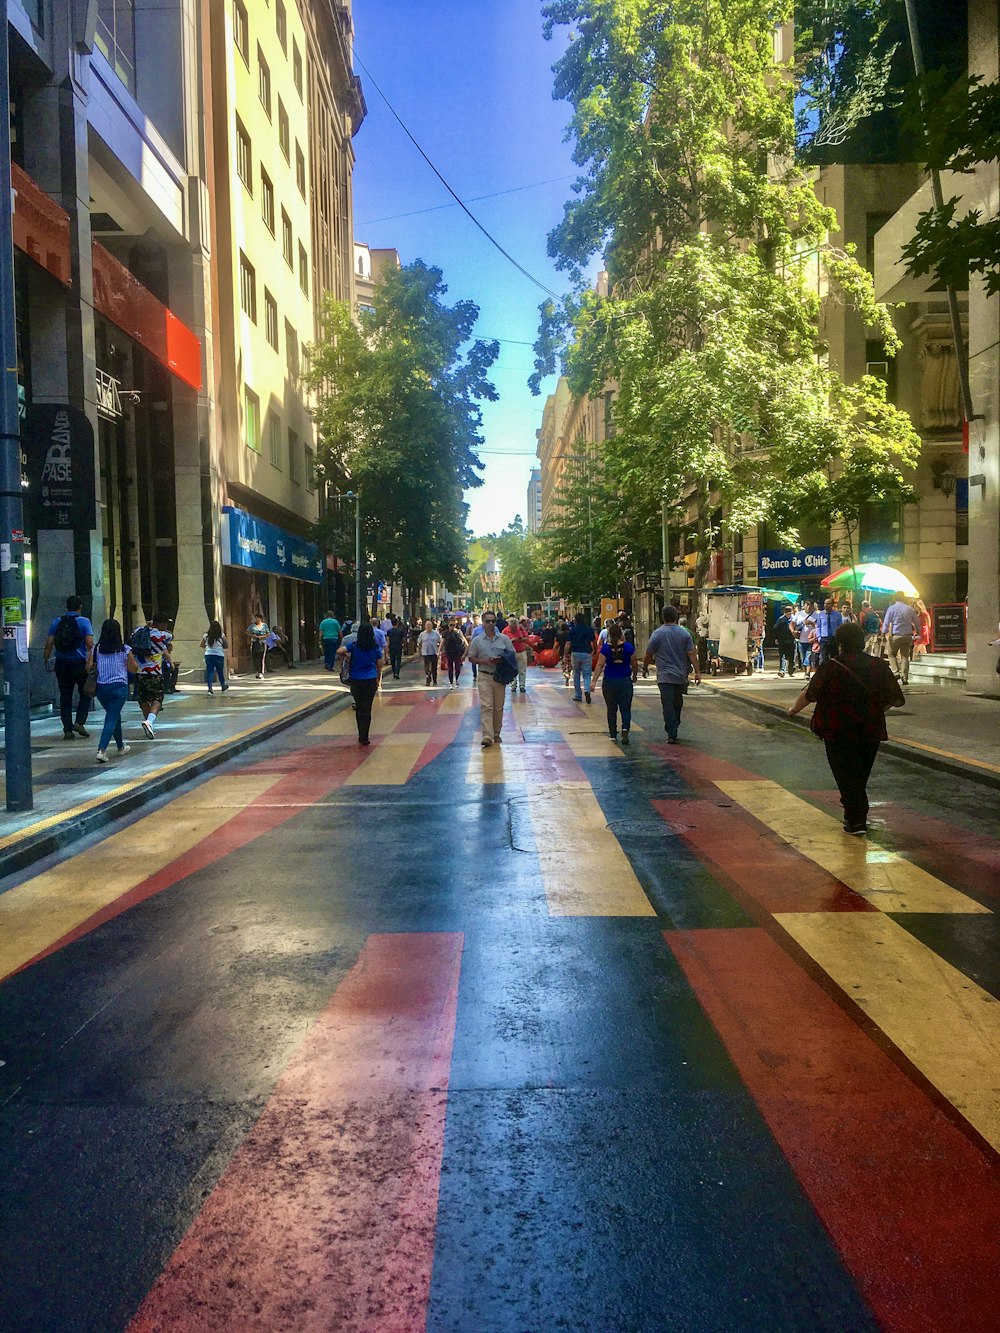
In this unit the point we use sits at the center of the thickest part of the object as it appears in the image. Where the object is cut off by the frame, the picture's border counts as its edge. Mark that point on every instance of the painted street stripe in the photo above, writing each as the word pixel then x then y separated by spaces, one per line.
pixel 910 1201
pixel 50 905
pixel 384 721
pixel 459 701
pixel 765 871
pixel 325 1217
pixel 533 764
pixel 597 880
pixel 883 877
pixel 390 761
pixel 945 1024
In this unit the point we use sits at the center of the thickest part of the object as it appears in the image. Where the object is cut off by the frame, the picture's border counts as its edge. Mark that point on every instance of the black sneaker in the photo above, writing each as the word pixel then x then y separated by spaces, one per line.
pixel 856 830
pixel 586 695
pixel 625 738
pixel 69 735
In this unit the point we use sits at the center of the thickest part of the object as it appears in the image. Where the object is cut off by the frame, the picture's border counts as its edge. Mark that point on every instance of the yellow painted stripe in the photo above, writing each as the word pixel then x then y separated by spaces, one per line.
pixel 941 1020
pixel 64 816
pixel 390 762
pixel 883 877
pixel 459 701
pixel 46 907
pixel 947 754
pixel 385 719
pixel 597 879
pixel 503 763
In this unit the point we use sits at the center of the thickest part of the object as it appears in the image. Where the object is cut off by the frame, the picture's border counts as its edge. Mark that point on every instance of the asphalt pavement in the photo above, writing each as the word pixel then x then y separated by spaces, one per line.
pixel 558 1035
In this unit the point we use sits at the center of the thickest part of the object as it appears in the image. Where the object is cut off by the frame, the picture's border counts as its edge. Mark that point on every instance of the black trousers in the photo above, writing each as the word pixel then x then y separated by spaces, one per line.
pixel 618 695
pixel 71 672
pixel 396 660
pixel 364 697
pixel 672 703
pixel 851 765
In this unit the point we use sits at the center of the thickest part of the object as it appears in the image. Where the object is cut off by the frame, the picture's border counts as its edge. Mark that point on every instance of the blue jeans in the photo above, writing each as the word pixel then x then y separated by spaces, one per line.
pixel 214 666
pixel 804 653
pixel 330 647
pixel 672 701
pixel 112 699
pixel 583 665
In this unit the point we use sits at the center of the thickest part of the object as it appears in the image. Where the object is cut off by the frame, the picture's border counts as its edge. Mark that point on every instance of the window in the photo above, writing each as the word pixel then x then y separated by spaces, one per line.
pixel 284 136
pixel 300 170
pixel 248 287
pixel 310 469
pixel 267 200
pixel 271 319
pixel 264 82
pixel 297 67
pixel 274 439
pixel 286 239
pixel 244 156
pixel 252 420
pixel 293 458
pixel 281 26
pixel 115 37
pixel 291 352
pixel 303 269
pixel 241 30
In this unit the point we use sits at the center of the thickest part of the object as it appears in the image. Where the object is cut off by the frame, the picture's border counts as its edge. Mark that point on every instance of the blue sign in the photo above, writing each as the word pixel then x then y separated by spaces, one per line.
pixel 252 543
pixel 813 562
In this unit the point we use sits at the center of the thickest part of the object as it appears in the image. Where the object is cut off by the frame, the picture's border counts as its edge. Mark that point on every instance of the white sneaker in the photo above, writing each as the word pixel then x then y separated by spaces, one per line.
pixel 125 749
pixel 147 727
pixel 260 675
pixel 102 756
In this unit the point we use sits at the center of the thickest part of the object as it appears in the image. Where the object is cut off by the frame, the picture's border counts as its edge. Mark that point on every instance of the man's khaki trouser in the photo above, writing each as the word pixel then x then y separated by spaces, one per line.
pixel 491 701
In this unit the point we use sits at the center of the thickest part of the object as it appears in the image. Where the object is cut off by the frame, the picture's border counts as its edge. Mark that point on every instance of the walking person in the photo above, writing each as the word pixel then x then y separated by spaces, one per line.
pixel 114 661
pixel 672 648
pixel 923 637
pixel 455 645
pixel 902 625
pixel 852 693
pixel 618 664
pixel 365 662
pixel 785 635
pixel 257 635
pixel 828 621
pixel 330 634
pixel 871 626
pixel 803 625
pixel 486 650
pixel 428 646
pixel 71 637
pixel 517 632
pixel 581 644
pixel 215 645
pixel 395 641
pixel 148 650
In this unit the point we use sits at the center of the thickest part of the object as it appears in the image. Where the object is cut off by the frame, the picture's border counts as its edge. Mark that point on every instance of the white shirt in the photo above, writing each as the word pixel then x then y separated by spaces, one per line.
pixel 483 649
pixel 429 643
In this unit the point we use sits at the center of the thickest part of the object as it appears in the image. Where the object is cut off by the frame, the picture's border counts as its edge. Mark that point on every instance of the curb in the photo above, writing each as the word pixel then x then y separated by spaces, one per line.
pixel 24 851
pixel 928 757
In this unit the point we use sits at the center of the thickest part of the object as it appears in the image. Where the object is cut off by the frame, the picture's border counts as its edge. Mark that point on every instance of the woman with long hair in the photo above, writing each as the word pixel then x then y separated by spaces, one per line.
pixel 922 640
pixel 365 662
pixel 215 645
pixel 114 661
pixel 618 664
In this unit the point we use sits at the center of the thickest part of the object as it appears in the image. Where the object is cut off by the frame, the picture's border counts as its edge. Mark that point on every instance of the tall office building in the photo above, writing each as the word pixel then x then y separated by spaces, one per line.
pixel 533 520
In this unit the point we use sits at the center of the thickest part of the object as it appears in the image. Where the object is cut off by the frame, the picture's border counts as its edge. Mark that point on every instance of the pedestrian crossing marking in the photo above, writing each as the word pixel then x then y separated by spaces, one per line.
pixel 384 721
pixel 391 760
pixel 459 701
pixel 945 1024
pixel 882 877
pixel 48 906
pixel 598 879
pixel 501 763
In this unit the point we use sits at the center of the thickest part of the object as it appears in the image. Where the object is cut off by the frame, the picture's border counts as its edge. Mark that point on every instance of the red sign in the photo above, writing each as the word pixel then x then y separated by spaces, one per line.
pixel 41 227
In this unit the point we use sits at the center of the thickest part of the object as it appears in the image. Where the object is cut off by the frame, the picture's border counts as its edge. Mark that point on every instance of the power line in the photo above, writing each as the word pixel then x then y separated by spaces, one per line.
pixel 476 199
pixel 465 209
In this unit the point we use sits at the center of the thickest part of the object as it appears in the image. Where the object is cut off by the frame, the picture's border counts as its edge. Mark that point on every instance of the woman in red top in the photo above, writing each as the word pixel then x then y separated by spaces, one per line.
pixel 517 632
pixel 852 693
pixel 922 641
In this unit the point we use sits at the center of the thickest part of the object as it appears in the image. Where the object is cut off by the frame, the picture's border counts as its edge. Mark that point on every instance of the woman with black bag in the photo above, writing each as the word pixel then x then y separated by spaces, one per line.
pixel 852 693
pixel 365 664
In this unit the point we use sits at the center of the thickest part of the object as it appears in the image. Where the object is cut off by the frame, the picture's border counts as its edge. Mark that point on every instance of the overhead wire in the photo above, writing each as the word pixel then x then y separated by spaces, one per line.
pixel 476 199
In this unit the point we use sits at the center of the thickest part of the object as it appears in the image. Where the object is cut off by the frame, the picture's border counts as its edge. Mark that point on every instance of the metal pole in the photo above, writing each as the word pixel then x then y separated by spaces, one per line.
pixel 16 670
pixel 955 317
pixel 665 539
pixel 358 583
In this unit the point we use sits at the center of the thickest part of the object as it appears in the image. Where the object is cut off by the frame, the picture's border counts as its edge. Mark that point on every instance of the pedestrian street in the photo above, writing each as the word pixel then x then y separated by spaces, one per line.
pixel 553 1034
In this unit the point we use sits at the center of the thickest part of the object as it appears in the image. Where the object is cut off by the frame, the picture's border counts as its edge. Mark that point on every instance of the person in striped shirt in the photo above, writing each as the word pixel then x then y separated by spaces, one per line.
pixel 114 661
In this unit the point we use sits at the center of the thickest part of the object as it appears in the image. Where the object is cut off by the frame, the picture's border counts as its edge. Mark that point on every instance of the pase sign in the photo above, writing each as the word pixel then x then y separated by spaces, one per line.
pixel 58 457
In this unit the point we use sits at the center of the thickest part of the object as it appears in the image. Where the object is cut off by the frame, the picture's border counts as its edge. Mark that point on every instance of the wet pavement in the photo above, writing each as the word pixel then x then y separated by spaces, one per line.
pixel 552 1036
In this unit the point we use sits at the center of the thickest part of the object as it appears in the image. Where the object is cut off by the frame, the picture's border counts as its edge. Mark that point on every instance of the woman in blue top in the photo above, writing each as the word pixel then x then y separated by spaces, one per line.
pixel 366 664
pixel 618 663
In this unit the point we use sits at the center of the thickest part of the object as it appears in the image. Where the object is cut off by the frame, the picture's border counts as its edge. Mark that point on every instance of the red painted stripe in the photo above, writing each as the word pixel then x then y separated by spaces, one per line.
pixel 911 1203
pixel 316 775
pixel 754 863
pixel 700 769
pixel 325 1218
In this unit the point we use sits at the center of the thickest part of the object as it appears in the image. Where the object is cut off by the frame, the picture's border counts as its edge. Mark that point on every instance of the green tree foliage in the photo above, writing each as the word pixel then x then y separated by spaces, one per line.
pixel 398 419
pixel 718 256
pixel 523 573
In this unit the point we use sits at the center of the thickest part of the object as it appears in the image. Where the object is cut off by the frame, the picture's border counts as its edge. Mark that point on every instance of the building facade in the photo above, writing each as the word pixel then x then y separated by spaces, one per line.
pixel 533 507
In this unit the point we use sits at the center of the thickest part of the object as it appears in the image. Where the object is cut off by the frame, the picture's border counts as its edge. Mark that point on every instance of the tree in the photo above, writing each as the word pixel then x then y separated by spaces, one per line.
pixel 718 257
pixel 523 573
pixel 398 420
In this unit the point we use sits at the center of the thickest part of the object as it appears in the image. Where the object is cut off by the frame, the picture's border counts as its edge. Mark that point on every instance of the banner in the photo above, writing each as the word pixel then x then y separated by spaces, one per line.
pixel 58 451
pixel 253 543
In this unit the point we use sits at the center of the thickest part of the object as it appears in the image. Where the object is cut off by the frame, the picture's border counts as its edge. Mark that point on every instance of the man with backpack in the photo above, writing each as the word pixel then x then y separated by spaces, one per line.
pixel 71 636
pixel 150 646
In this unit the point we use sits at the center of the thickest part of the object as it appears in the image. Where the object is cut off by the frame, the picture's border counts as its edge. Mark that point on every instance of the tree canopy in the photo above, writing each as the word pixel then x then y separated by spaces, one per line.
pixel 398 417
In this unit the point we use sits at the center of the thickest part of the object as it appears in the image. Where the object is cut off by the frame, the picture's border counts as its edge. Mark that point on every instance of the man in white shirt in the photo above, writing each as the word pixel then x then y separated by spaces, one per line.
pixel 484 651
pixel 902 624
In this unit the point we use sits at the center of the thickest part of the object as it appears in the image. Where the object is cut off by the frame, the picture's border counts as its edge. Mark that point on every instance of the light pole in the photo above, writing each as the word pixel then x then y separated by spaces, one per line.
pixel 356 497
pixel 585 458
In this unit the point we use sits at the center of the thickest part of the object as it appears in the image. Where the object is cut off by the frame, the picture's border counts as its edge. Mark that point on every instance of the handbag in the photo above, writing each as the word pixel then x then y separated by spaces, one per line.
pixel 345 668
pixel 90 683
pixel 505 670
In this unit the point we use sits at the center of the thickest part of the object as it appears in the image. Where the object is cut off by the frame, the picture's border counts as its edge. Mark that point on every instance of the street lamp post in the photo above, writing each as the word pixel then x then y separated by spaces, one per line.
pixel 358 573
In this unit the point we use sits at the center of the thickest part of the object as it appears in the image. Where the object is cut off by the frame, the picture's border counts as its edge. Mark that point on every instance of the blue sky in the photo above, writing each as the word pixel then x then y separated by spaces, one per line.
pixel 472 80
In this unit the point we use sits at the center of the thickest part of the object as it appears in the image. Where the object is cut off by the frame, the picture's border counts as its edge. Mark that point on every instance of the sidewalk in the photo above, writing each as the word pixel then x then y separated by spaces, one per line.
pixel 940 726
pixel 196 731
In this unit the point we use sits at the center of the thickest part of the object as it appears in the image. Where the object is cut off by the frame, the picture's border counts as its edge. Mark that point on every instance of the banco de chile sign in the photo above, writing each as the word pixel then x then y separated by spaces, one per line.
pixel 813 562
pixel 253 543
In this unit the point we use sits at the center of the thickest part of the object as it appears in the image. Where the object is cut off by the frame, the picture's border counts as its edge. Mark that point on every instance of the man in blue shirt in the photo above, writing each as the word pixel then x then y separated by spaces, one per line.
pixel 902 625
pixel 72 637
pixel 828 621
pixel 581 644
pixel 672 648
